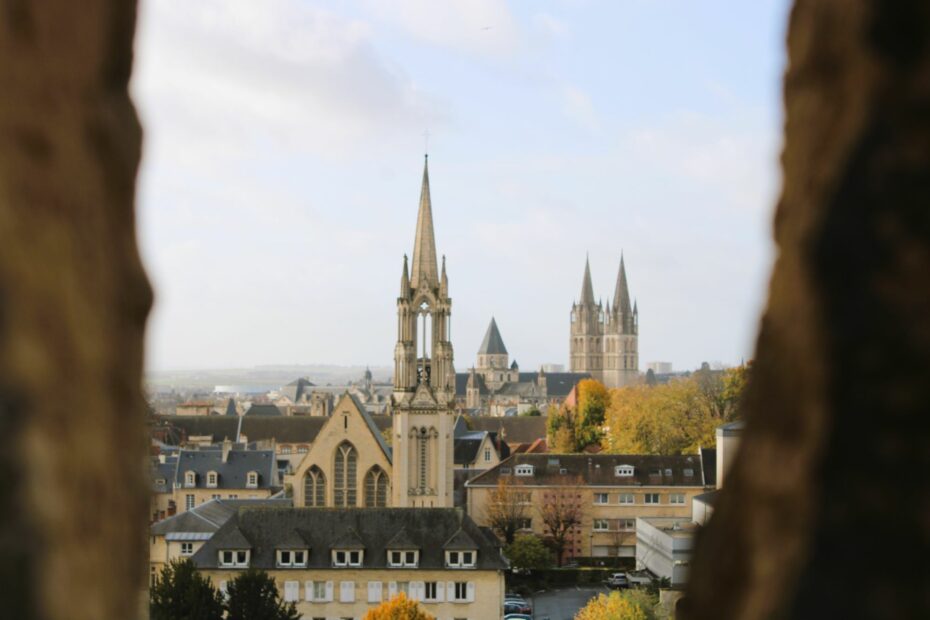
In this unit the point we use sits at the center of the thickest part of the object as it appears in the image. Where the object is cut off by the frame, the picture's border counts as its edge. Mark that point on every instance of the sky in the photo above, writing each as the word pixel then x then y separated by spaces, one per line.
pixel 283 156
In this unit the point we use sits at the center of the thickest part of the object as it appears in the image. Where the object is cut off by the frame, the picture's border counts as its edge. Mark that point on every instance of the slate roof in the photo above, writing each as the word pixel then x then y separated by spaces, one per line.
pixel 265 529
pixel 264 410
pixel 520 429
pixel 283 429
pixel 296 389
pixel 597 470
pixel 209 516
pixel 709 460
pixel 232 473
pixel 466 447
pixel 461 384
pixel 164 471
pixel 558 384
pixel 492 344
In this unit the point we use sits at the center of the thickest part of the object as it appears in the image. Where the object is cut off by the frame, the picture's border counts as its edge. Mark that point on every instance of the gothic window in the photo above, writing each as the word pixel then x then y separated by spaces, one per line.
pixel 376 488
pixel 314 487
pixel 423 457
pixel 344 476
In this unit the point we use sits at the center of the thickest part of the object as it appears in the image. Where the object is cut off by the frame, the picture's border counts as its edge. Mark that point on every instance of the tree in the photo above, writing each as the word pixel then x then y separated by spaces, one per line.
pixel 398 608
pixel 532 412
pixel 560 430
pixel 506 509
pixel 182 593
pixel 528 552
pixel 253 595
pixel 618 606
pixel 561 512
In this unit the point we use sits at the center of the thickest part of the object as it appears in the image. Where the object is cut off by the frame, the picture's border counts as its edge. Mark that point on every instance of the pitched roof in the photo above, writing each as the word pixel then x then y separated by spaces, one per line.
pixel 263 409
pixel 231 408
pixel 598 469
pixel 520 429
pixel 296 389
pixel 428 528
pixel 466 446
pixel 424 244
pixel 492 344
pixel 402 540
pixel 283 429
pixel 460 540
pixel 232 472
pixel 210 515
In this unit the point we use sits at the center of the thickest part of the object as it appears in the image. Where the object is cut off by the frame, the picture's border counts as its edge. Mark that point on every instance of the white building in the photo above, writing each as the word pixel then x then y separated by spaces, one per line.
pixel 663 546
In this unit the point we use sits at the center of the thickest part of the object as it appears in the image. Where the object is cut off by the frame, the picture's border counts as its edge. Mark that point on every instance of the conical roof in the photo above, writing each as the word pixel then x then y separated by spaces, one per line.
pixel 587 290
pixel 492 344
pixel 622 292
pixel 424 245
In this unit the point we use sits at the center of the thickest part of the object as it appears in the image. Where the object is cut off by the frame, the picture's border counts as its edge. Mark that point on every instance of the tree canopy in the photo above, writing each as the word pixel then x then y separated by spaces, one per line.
pixel 528 552
pixel 182 593
pixel 628 605
pixel 253 595
pixel 506 509
pixel 398 608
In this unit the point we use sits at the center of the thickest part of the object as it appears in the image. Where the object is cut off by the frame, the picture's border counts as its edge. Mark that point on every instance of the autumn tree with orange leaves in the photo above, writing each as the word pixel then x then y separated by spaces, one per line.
pixel 398 608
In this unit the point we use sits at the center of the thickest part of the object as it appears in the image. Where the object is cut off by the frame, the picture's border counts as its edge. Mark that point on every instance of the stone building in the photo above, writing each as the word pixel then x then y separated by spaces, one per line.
pixel 604 340
pixel 495 386
pixel 339 563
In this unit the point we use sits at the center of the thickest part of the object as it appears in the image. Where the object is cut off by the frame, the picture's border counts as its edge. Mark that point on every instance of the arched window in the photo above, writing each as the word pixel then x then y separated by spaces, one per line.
pixel 314 487
pixel 376 488
pixel 344 476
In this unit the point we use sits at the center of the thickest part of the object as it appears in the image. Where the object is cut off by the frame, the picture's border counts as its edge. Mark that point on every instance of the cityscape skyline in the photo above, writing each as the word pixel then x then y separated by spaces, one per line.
pixel 298 260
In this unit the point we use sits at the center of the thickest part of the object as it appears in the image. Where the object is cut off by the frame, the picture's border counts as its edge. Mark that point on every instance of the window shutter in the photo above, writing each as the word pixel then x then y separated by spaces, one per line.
pixel 291 591
pixel 392 589
pixel 308 590
pixel 329 590
pixel 223 588
pixel 374 591
pixel 471 592
pixel 347 592
pixel 440 592
pixel 450 591
pixel 416 590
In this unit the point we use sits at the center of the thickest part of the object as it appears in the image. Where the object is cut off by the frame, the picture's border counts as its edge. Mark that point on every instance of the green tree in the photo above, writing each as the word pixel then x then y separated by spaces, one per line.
pixel 532 412
pixel 253 595
pixel 560 431
pixel 528 552
pixel 593 399
pixel 182 593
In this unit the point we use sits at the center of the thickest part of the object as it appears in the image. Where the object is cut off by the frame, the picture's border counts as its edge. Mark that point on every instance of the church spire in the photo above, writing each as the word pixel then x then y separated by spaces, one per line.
pixel 622 292
pixel 404 279
pixel 587 290
pixel 424 245
pixel 443 279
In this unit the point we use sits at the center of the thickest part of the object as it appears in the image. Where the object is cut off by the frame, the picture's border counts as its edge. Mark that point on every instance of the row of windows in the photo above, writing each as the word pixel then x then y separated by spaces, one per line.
pixel 345 472
pixel 424 591
pixel 341 558
pixel 630 498
pixel 300 449
pixel 190 479
pixel 614 525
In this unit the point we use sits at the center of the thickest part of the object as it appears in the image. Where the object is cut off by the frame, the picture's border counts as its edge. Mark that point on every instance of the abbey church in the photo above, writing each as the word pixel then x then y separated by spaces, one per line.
pixel 414 468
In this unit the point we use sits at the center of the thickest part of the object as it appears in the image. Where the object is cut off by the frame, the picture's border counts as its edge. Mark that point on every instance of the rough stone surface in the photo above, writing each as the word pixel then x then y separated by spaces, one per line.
pixel 826 513
pixel 73 303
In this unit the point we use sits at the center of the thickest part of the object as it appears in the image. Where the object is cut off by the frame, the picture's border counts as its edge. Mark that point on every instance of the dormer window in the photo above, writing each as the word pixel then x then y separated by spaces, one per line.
pixel 524 470
pixel 668 473
pixel 251 480
pixel 461 559
pixel 342 558
pixel 161 482
pixel 688 472
pixel 234 558
pixel 624 470
pixel 403 559
pixel 292 558
pixel 212 477
pixel 190 479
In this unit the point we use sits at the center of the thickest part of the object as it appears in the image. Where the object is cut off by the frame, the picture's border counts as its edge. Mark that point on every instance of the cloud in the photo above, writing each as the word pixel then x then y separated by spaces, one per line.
pixel 484 27
pixel 578 107
pixel 550 26
pixel 225 76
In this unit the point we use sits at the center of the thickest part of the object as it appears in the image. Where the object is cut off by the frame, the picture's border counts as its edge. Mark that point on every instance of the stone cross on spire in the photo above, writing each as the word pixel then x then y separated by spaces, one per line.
pixel 424 245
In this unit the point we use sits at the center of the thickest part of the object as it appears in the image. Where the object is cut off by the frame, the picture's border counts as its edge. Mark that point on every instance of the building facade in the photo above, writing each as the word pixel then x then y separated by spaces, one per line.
pixel 605 341
pixel 611 490
pixel 340 563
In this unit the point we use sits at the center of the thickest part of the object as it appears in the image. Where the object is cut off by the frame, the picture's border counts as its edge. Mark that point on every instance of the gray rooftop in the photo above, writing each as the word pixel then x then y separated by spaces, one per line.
pixel 492 344
pixel 264 530
pixel 233 471
pixel 209 516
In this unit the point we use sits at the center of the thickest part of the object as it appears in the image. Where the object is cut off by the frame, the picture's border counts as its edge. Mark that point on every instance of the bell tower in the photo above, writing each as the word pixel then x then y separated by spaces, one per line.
pixel 424 376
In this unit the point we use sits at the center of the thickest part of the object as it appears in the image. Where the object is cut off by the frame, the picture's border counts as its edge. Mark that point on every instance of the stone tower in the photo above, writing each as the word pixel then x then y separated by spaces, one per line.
pixel 424 376
pixel 604 342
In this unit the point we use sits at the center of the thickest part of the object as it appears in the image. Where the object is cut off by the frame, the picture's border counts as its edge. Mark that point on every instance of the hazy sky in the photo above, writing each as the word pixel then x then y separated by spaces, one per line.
pixel 284 151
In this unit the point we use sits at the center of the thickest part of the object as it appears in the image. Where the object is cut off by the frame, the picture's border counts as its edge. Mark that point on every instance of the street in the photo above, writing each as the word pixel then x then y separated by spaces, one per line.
pixel 563 604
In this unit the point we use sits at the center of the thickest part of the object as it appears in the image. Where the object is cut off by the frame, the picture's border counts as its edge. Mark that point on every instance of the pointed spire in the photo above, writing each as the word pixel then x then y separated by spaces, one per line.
pixel 443 280
pixel 587 290
pixel 622 292
pixel 424 244
pixel 404 279
pixel 492 344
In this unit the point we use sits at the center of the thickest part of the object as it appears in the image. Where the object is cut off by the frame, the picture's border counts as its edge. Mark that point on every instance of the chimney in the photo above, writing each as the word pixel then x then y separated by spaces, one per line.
pixel 227 446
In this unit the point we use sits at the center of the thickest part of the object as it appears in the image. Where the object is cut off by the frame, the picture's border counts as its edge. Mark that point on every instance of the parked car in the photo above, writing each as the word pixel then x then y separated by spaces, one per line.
pixel 618 580
pixel 517 606
pixel 518 617
pixel 640 578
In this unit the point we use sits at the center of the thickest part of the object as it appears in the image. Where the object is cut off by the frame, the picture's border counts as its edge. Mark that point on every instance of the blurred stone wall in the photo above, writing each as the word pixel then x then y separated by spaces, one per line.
pixel 73 304
pixel 826 512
